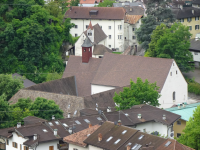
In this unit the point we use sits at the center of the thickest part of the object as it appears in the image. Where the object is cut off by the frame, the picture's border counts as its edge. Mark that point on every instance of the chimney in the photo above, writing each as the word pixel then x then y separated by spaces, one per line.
pixel 68 116
pixel 35 137
pixel 86 50
pixel 193 12
pixel 99 137
pixel 53 118
pixel 181 7
pixel 128 147
pixel 90 125
pixel 164 117
pixel 119 123
pixel 139 116
pixel 70 130
pixel 55 132
pixel 108 109
pixel 18 124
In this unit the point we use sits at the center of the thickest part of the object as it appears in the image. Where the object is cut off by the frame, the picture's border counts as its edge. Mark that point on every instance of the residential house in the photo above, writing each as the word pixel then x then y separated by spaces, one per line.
pixel 26 82
pixel 195 50
pixel 40 136
pixel 89 3
pixel 186 112
pixel 196 3
pixel 145 118
pixel 127 3
pixel 188 16
pixel 114 136
pixel 96 75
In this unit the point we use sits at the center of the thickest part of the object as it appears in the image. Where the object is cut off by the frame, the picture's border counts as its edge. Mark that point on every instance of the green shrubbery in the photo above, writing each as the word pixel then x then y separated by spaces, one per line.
pixel 193 87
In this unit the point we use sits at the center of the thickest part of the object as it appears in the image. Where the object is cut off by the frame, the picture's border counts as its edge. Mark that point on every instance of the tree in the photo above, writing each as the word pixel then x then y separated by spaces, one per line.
pixel 53 76
pixel 173 42
pixel 74 2
pixel 23 104
pixel 158 12
pixel 106 3
pixel 191 134
pixel 138 93
pixel 9 86
pixel 44 108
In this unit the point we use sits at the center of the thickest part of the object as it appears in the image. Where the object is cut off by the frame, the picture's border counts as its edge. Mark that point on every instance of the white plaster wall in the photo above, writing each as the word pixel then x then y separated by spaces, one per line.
pixel 153 126
pixel 196 57
pixel 100 88
pixel 94 148
pixel 87 5
pixel 176 83
pixel 114 32
pixel 72 146
pixel 45 146
pixel 15 138
pixel 78 48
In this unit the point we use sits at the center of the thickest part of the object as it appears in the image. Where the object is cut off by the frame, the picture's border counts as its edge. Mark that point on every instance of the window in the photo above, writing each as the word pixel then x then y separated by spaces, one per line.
pixel 119 27
pixel 189 19
pixel 196 18
pixel 86 120
pixel 57 122
pixel 171 73
pixel 26 148
pixel 109 139
pixel 109 27
pixel 134 37
pixel 86 26
pixel 51 148
pixel 190 28
pixel 195 53
pixel 109 36
pixel 181 20
pixel 117 141
pixel 89 34
pixel 77 122
pixel 44 130
pixel 75 149
pixel 178 122
pixel 110 46
pixel 138 21
pixel 20 146
pixel 178 134
pixel 7 142
pixel 76 35
pixel 119 37
pixel 133 29
pixel 64 124
pixel 176 72
pixel 196 27
pixel 174 96
pixel 14 144
pixel 101 27
pixel 76 26
pixel 124 131
pixel 141 136
pixel 51 124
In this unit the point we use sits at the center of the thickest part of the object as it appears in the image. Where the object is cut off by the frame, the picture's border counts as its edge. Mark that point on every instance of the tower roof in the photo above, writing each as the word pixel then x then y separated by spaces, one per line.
pixel 87 43
pixel 90 26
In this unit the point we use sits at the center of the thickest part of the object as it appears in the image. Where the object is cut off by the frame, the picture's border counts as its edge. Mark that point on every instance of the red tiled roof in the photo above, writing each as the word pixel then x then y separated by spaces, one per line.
pixel 79 137
pixel 88 1
pixel 132 19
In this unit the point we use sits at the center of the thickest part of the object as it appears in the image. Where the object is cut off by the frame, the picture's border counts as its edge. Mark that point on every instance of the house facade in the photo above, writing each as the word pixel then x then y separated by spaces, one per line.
pixel 195 49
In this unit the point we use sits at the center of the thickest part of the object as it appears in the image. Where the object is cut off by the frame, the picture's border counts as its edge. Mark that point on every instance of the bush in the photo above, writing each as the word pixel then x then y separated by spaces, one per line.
pixel 193 87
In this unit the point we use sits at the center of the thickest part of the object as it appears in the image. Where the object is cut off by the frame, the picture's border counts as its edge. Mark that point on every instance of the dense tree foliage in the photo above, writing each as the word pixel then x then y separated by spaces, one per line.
pixel 192 131
pixel 173 42
pixel 53 76
pixel 9 86
pixel 106 3
pixel 31 37
pixel 138 93
pixel 157 12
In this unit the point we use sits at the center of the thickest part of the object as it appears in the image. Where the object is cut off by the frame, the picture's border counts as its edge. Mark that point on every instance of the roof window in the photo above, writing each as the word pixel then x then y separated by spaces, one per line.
pixel 69 106
pixel 93 12
pixel 51 124
pixel 44 130
pixel 98 118
pixel 109 139
pixel 57 122
pixel 128 144
pixel 124 131
pixel 64 124
pixel 168 143
pixel 86 120
pixel 77 122
pixel 136 147
pixel 126 114
pixel 141 136
pixel 117 141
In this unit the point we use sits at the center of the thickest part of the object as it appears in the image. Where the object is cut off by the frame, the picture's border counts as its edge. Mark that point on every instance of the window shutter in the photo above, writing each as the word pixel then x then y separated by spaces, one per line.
pixel 24 147
pixel 13 144
pixel 16 145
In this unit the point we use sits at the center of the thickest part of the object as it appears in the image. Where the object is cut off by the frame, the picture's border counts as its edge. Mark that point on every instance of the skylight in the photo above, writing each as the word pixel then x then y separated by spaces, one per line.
pixel 44 130
pixel 126 114
pixel 128 144
pixel 77 122
pixel 167 144
pixel 86 120
pixel 69 106
pixel 141 136
pixel 117 141
pixel 109 139
pixel 99 118
pixel 124 131
pixel 51 124
pixel 136 147
pixel 57 122
pixel 64 124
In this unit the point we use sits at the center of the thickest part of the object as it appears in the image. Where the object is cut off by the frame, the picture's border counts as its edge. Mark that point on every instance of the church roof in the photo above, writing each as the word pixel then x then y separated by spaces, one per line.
pixel 87 43
pixel 90 26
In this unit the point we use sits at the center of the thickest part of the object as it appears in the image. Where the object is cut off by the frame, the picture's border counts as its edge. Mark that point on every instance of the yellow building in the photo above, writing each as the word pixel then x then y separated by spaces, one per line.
pixel 185 111
pixel 189 16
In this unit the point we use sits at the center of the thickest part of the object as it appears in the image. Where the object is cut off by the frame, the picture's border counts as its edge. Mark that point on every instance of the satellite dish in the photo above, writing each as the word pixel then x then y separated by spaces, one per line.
pixel 99 112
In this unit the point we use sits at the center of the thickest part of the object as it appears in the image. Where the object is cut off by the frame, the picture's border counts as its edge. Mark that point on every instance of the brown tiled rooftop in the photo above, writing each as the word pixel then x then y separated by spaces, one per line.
pixel 79 137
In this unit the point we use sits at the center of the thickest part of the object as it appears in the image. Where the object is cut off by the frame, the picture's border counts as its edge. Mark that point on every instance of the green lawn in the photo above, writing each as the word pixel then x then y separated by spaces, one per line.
pixel 117 52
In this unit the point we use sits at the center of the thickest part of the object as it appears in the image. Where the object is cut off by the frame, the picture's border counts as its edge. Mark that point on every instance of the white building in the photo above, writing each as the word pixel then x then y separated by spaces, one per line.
pixel 195 50
pixel 110 19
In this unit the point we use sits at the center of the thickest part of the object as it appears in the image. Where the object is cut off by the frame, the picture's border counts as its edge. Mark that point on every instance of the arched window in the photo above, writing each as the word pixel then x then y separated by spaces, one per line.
pixel 174 95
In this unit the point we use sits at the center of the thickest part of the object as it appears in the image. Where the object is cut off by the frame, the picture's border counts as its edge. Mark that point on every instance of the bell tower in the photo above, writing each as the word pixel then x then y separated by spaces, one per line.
pixel 90 32
pixel 86 50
